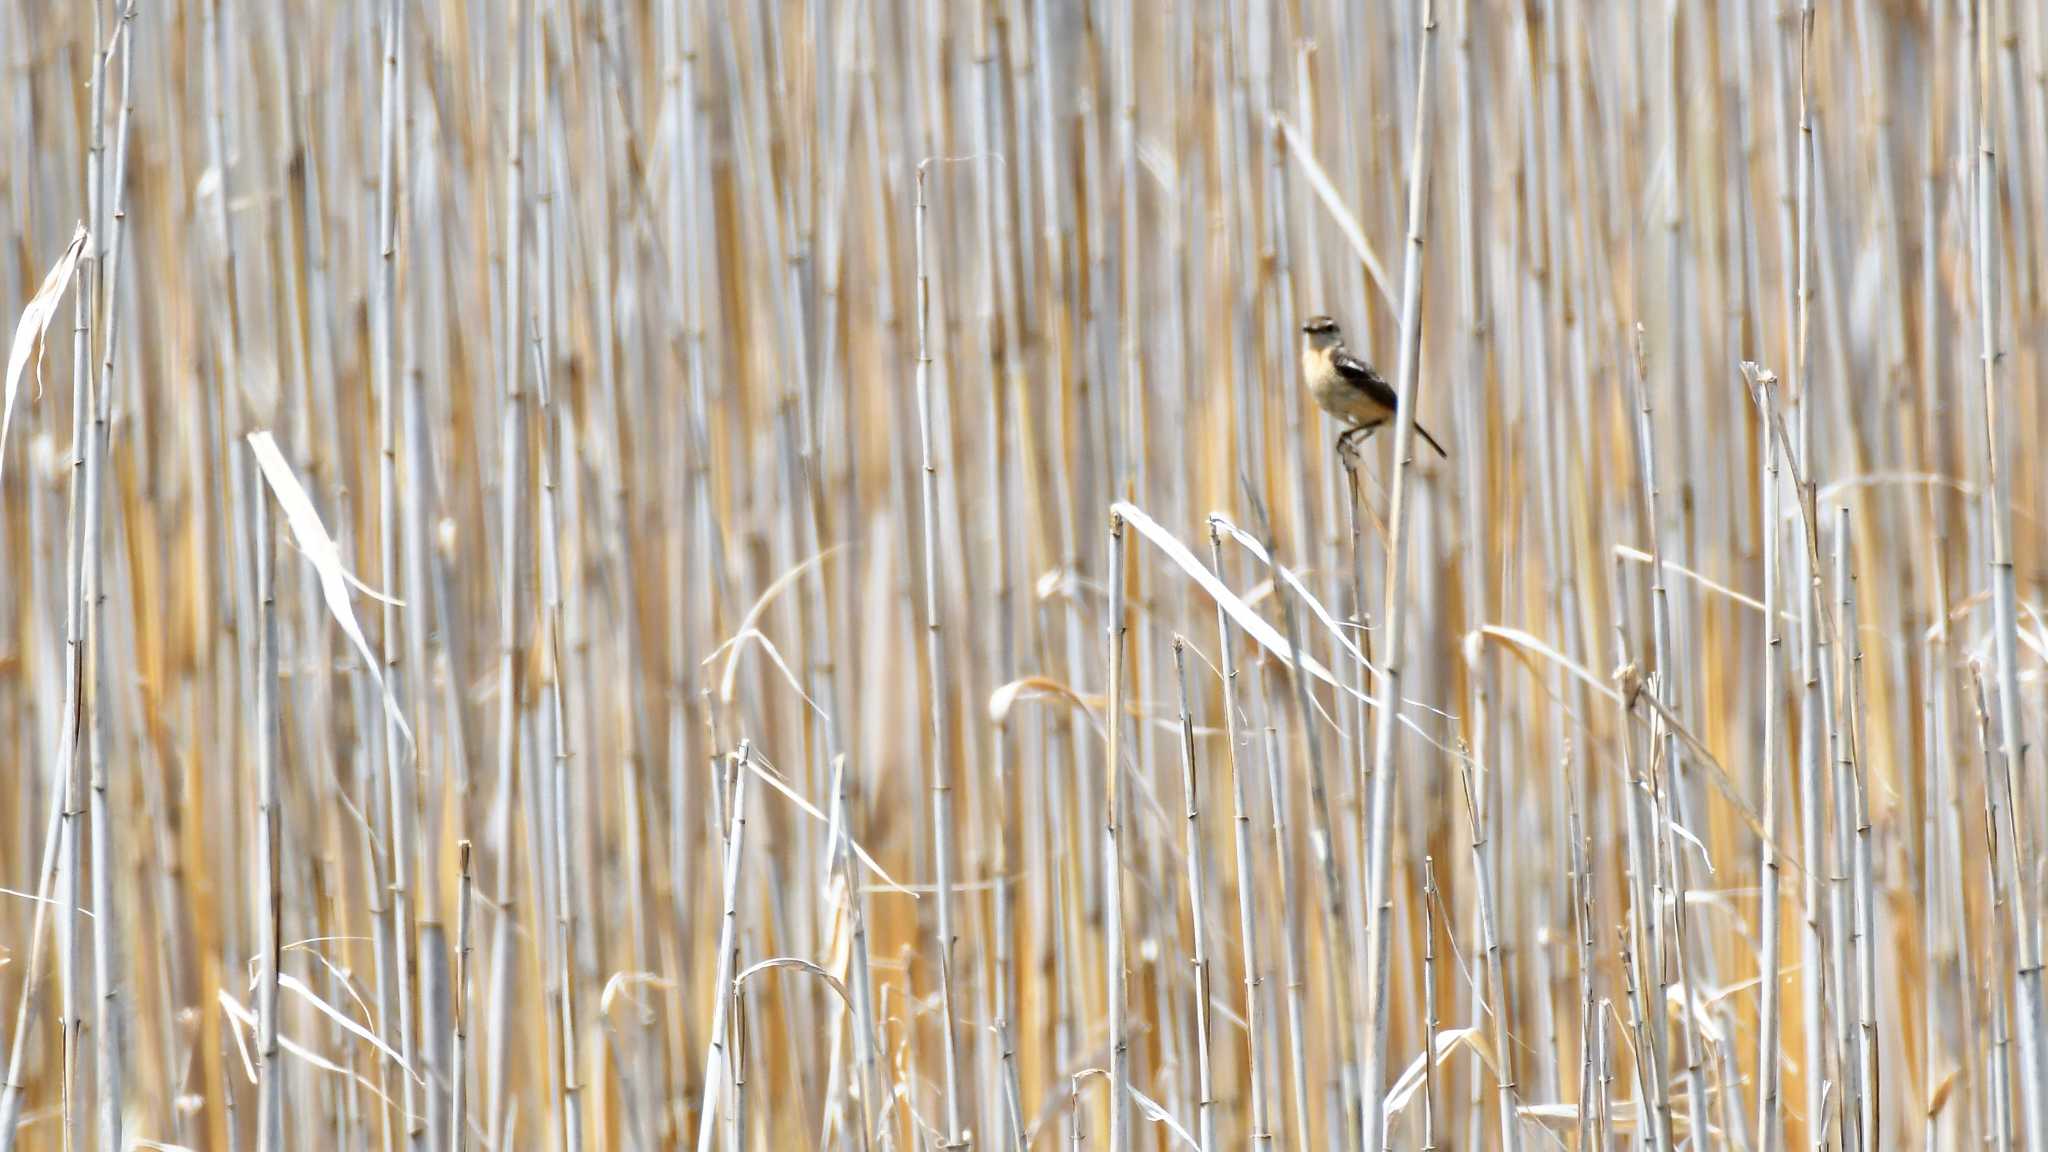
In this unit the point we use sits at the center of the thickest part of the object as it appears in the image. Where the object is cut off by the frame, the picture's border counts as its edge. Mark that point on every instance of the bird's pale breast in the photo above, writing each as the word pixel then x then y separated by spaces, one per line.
pixel 1338 396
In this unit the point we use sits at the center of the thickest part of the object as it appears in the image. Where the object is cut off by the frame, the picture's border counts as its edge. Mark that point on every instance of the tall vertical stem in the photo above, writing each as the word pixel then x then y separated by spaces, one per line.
pixel 1379 942
pixel 2026 975
pixel 939 760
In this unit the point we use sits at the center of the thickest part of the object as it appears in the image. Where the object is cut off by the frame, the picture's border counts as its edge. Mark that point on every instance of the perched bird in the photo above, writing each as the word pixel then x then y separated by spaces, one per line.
pixel 1347 387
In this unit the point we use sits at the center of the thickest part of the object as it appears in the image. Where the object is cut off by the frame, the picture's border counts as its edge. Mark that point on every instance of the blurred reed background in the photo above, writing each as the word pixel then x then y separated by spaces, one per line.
pixel 573 569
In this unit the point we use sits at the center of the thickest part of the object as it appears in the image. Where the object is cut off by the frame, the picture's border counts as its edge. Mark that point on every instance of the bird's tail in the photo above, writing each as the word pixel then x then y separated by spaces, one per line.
pixel 1424 433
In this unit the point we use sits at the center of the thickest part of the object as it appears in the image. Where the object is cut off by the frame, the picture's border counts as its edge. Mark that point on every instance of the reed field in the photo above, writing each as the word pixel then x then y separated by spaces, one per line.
pixel 761 574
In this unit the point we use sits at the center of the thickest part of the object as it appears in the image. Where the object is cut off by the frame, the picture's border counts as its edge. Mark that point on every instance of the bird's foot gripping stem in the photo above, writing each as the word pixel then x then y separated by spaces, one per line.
pixel 1348 443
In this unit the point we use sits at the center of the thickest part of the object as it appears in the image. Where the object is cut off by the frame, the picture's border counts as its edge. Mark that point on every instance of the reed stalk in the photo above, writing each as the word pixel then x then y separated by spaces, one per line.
pixel 1379 942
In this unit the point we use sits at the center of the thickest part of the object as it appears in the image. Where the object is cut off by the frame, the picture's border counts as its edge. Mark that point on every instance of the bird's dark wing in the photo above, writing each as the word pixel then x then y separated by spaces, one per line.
pixel 1374 385
pixel 1358 372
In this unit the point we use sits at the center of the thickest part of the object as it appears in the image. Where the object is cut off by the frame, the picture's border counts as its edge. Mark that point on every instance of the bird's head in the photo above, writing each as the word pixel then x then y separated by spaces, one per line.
pixel 1321 332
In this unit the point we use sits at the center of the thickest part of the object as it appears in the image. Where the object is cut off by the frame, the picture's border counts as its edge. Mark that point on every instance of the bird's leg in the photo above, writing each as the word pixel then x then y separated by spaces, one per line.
pixel 1348 443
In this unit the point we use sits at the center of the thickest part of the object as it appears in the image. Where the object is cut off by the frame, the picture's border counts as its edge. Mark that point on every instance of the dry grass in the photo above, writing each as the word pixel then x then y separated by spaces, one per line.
pixel 577 575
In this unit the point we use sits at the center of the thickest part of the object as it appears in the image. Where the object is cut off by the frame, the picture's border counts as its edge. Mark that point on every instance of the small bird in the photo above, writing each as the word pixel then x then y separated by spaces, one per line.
pixel 1347 387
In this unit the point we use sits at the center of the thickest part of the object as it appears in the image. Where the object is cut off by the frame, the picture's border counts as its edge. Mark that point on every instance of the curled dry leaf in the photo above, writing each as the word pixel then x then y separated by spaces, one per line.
pixel 1005 698
pixel 319 548
pixel 35 321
